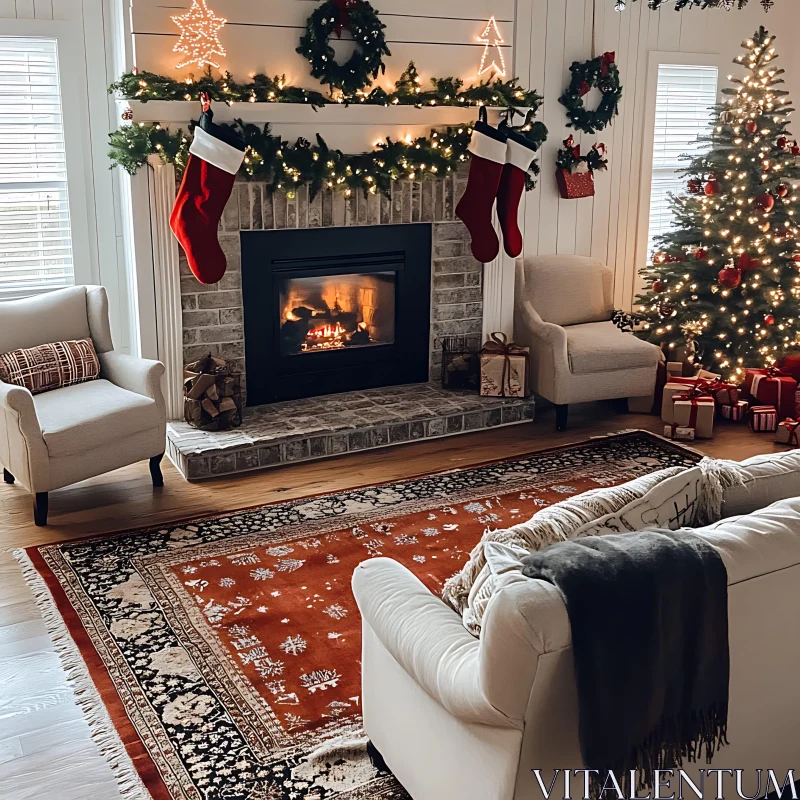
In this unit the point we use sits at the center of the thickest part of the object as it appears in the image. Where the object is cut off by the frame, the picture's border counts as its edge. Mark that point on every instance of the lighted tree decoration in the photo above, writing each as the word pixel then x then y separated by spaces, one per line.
pixel 726 278
pixel 199 41
pixel 492 39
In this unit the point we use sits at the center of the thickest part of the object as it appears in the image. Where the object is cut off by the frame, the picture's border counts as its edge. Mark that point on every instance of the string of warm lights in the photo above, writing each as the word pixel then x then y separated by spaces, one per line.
pixel 726 280
pixel 491 37
pixel 407 91
pixel 199 40
pixel 287 167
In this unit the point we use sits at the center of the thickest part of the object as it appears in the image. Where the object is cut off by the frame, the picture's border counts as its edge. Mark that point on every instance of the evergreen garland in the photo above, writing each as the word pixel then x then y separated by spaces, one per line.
pixel 287 167
pixel 601 73
pixel 144 86
pixel 654 5
pixel 360 18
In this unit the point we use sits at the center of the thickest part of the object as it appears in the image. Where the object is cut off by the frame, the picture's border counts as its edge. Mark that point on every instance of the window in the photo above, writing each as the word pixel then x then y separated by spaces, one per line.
pixel 685 95
pixel 35 235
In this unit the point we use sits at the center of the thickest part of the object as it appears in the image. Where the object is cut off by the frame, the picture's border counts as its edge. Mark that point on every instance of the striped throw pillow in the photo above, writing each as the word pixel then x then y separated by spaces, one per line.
pixel 50 366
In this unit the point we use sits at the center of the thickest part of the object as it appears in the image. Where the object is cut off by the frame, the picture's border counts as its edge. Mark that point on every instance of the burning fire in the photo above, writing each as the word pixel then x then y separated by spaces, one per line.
pixel 328 337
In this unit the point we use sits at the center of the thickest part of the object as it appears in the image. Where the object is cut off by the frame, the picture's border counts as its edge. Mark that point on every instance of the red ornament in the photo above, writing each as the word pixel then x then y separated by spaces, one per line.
pixel 750 126
pixel 782 190
pixel 127 114
pixel 766 202
pixel 795 148
pixel 694 186
pixel 747 263
pixel 796 258
pixel 659 286
pixel 782 142
pixel 769 319
pixel 701 253
pixel 729 278
pixel 712 187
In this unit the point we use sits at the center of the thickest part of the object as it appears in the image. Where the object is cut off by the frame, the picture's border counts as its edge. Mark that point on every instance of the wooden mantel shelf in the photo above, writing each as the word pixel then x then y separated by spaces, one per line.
pixel 180 111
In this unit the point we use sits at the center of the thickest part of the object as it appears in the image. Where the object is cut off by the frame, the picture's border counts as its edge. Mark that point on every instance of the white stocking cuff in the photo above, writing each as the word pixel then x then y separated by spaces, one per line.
pixel 518 155
pixel 216 152
pixel 486 147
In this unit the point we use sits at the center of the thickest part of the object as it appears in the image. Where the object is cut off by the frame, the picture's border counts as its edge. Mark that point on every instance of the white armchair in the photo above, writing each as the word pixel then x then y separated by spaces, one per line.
pixel 563 307
pixel 66 435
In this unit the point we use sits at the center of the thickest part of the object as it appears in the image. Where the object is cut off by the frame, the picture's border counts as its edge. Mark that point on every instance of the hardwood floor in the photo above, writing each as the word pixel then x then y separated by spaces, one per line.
pixel 45 746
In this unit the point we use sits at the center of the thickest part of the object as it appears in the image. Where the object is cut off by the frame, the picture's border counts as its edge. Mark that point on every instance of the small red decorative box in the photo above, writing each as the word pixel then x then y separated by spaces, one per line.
pixel 735 412
pixel 763 418
pixel 573 185
pixel 787 432
pixel 772 387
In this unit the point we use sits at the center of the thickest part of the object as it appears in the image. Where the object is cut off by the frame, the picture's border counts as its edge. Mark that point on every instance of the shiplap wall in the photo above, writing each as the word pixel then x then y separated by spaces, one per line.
pixel 439 35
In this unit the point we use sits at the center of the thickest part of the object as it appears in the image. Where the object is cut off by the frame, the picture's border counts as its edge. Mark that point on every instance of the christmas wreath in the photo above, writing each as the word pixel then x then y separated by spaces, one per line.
pixel 601 73
pixel 332 17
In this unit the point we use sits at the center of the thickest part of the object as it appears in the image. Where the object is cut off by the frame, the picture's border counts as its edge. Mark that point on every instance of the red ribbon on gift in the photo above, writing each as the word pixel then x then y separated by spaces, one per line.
pixel 718 385
pixel 768 374
pixel 697 395
pixel 792 425
pixel 343 16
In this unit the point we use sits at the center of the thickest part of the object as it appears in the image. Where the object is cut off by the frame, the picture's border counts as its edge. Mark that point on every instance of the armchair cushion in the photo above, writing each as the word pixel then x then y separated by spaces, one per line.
pixel 77 418
pixel 602 347
pixel 50 366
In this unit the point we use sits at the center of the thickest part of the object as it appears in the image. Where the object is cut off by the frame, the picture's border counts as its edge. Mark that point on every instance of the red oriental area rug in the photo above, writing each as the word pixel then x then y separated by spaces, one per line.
pixel 220 659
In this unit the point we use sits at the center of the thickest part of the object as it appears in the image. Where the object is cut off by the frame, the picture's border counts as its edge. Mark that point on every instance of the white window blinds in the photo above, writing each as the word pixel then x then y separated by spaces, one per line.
pixel 35 240
pixel 684 99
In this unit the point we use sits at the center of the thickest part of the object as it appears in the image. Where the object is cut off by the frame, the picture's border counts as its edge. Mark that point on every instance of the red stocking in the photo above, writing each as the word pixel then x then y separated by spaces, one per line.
pixel 488 149
pixel 214 160
pixel 519 154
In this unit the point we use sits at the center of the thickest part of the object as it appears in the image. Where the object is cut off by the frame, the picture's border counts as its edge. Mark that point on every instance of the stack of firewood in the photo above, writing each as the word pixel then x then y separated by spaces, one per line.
pixel 212 395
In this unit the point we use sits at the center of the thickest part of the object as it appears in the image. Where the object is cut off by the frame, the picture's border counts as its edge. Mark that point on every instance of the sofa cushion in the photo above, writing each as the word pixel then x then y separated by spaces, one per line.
pixel 763 480
pixel 670 498
pixel 77 418
pixel 603 347
pixel 50 366
pixel 754 544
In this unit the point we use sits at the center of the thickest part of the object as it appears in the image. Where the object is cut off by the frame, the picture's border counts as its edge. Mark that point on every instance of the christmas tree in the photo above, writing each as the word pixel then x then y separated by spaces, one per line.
pixel 725 281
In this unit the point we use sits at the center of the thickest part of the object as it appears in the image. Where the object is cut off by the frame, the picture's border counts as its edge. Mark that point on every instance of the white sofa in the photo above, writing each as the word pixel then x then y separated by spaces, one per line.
pixel 66 435
pixel 455 716
pixel 563 307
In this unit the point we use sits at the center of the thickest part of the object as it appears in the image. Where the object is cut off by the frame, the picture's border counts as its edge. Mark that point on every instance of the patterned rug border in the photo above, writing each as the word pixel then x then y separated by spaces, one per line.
pixel 136 774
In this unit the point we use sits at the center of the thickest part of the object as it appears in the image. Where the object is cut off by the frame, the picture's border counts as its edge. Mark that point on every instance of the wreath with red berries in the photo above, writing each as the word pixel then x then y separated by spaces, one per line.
pixel 332 17
pixel 600 73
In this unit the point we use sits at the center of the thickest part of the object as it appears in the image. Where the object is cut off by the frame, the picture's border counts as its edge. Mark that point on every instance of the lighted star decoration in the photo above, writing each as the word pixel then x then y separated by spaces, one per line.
pixel 199 40
pixel 492 38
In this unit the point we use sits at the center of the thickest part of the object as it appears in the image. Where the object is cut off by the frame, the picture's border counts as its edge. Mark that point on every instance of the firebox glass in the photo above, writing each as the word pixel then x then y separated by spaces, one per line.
pixel 336 311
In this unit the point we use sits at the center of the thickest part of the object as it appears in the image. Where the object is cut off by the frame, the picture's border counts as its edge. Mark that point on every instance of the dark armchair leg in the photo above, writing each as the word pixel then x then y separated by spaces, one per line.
pixel 155 470
pixel 40 509
pixel 561 417
pixel 7 476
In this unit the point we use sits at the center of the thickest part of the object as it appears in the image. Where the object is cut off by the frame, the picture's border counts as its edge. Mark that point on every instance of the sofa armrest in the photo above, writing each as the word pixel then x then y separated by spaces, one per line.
pixel 140 375
pixel 426 638
pixel 22 447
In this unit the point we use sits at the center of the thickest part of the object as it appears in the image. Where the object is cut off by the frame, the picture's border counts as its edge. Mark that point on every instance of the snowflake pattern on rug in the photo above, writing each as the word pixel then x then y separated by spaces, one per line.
pixel 234 642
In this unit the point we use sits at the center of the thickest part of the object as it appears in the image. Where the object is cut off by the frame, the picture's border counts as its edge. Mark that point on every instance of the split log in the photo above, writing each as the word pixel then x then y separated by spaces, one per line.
pixel 212 394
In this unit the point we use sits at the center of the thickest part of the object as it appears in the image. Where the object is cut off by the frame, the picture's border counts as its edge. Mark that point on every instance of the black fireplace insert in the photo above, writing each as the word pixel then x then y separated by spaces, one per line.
pixel 335 309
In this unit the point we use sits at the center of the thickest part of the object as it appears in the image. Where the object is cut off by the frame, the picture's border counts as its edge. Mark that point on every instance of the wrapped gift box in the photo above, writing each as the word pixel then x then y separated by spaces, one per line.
pixel 677 432
pixel 736 412
pixel 675 386
pixel 695 412
pixel 788 432
pixel 763 418
pixel 504 368
pixel 726 394
pixel 771 387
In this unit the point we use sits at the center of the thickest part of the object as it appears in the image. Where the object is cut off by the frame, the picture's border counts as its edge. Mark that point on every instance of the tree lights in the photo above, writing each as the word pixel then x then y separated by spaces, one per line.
pixel 729 271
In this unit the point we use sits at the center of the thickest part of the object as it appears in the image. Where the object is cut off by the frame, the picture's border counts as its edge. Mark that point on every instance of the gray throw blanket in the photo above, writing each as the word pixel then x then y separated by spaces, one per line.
pixel 649 619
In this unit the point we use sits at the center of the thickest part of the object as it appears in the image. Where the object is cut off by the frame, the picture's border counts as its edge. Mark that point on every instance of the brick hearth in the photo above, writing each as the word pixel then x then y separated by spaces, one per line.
pixel 318 427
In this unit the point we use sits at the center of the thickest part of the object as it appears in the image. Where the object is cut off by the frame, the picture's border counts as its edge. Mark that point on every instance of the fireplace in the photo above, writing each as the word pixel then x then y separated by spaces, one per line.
pixel 335 309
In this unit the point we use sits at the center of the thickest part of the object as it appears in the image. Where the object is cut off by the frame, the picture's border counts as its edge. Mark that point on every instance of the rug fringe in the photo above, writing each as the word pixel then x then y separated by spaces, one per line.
pixel 88 699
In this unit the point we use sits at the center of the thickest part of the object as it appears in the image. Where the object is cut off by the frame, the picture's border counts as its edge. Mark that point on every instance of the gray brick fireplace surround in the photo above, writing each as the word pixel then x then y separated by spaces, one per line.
pixel 270 435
